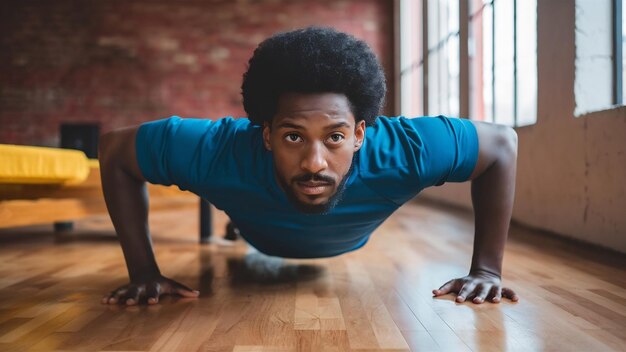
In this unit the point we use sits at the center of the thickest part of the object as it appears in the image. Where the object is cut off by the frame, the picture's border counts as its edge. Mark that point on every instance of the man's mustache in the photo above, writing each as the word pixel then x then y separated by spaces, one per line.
pixel 310 177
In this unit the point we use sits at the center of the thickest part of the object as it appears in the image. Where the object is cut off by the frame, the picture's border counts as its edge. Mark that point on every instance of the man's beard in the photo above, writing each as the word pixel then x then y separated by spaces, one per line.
pixel 323 208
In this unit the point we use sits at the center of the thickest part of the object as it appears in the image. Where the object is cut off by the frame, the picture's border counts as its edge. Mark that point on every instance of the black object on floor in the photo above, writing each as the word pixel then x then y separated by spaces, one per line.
pixel 81 136
pixel 63 226
pixel 206 221
pixel 232 232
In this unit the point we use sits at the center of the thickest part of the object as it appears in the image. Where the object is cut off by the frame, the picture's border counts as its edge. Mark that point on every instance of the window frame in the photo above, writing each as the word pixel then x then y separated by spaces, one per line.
pixel 515 107
pixel 618 74
pixel 443 42
pixel 464 94
pixel 416 66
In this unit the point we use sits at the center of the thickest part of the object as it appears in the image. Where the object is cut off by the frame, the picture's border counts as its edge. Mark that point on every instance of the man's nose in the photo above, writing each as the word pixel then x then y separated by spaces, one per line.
pixel 314 159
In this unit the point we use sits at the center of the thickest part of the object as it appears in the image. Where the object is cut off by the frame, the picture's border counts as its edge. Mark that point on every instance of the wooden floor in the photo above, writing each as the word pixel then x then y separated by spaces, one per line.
pixel 573 298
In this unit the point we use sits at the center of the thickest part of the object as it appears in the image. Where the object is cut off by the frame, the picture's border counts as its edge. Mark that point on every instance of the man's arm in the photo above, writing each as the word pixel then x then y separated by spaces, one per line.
pixel 493 191
pixel 124 189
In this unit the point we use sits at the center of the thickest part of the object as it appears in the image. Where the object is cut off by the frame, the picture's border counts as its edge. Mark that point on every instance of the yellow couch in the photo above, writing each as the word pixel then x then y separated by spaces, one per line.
pixel 41 185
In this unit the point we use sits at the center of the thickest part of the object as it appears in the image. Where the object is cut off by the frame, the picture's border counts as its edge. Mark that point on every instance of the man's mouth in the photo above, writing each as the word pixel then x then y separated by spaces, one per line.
pixel 313 188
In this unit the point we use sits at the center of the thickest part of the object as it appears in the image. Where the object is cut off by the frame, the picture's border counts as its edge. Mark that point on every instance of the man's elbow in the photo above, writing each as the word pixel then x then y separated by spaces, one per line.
pixel 106 146
pixel 116 151
pixel 507 142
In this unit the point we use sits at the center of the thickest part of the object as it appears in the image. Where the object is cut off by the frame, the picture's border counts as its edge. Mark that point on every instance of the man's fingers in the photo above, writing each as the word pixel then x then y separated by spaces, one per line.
pixel 177 285
pixel 465 292
pixel 482 292
pixel 497 296
pixel 132 296
pixel 115 296
pixel 445 289
pixel 153 292
pixel 148 292
pixel 185 291
pixel 510 294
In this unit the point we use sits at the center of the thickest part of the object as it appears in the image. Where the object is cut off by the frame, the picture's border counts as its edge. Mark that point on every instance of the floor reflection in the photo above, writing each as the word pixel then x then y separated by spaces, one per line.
pixel 258 268
pixel 207 273
pixel 493 319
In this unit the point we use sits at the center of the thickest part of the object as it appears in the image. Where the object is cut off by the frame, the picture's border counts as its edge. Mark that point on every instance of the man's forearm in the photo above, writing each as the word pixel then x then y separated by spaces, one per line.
pixel 493 191
pixel 493 194
pixel 127 202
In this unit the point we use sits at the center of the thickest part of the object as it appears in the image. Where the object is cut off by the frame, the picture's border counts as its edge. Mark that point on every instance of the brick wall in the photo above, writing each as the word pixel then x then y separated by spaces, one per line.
pixel 121 63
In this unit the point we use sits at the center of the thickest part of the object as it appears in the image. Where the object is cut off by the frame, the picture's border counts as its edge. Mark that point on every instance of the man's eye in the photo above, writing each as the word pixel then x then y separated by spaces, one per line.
pixel 336 138
pixel 292 137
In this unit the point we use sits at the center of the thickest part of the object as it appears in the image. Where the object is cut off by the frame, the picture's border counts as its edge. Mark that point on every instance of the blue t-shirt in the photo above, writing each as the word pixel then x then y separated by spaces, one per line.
pixel 225 162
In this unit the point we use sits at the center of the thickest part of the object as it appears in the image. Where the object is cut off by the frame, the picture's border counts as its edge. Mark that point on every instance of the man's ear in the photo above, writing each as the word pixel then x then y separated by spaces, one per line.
pixel 266 135
pixel 359 135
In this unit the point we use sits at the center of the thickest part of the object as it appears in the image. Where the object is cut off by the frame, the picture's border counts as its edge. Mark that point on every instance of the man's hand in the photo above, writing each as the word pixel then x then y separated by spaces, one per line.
pixel 479 286
pixel 148 291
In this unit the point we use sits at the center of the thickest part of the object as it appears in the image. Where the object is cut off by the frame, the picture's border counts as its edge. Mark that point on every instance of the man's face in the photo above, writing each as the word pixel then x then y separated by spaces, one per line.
pixel 313 138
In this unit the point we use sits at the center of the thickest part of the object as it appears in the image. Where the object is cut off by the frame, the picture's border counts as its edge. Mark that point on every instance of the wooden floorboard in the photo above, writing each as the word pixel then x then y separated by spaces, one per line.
pixel 573 297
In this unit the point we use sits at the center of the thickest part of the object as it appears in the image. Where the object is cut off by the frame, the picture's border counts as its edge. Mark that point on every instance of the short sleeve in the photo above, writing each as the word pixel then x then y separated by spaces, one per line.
pixel 401 156
pixel 189 152
pixel 449 152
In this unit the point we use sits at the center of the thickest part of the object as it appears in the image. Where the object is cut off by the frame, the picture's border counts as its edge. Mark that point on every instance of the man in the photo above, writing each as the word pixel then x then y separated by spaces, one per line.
pixel 313 171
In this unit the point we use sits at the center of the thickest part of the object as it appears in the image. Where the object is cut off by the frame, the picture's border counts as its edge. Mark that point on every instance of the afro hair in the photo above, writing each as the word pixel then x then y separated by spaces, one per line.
pixel 313 60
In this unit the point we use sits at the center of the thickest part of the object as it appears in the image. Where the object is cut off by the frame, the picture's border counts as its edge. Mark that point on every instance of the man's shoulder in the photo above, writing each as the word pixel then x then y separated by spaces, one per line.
pixel 227 126
pixel 387 128
pixel 385 145
pixel 397 143
pixel 226 122
pixel 211 134
pixel 402 126
pixel 386 124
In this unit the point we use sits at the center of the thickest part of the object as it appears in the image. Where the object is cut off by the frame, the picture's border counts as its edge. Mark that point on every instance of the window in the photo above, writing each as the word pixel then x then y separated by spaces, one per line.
pixel 619 47
pixel 501 59
pixel 502 53
pixel 600 65
pixel 411 60
pixel 623 24
pixel 443 57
